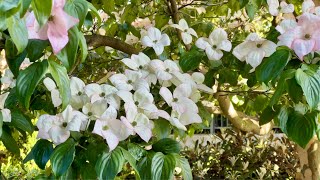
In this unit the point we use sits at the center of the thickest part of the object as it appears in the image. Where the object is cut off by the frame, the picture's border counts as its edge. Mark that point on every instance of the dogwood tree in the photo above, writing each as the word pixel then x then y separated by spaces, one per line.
pixel 104 83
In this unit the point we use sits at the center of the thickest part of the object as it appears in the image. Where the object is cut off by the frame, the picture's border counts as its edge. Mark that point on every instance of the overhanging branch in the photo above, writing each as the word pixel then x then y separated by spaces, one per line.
pixel 99 40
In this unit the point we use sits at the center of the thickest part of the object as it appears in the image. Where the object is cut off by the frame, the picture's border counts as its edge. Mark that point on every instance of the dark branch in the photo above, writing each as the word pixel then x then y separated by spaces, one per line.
pixel 99 40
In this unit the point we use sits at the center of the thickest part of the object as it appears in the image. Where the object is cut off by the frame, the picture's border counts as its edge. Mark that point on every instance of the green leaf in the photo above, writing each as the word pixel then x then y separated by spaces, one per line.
pixel 310 84
pixel 183 163
pixel 9 142
pixel 69 53
pixel 13 60
pixel 162 128
pixel 77 9
pixel 20 121
pixel 302 127
pixel 243 3
pixel 144 167
pixel 60 75
pixel 6 5
pixel 18 32
pixel 108 6
pixel 110 164
pixel 252 7
pixel 94 12
pixel 136 151
pixel 272 67
pixel 129 14
pixel 281 85
pixel 267 115
pixel 161 20
pixel 166 146
pixel 28 80
pixel 209 78
pixel 282 118
pixel 294 90
pixel 190 60
pixel 62 157
pixel 41 153
pixel 42 10
pixel 25 7
pixel 228 76
pixel 1 123
pixel 83 46
pixel 35 49
pixel 131 160
pixel 162 166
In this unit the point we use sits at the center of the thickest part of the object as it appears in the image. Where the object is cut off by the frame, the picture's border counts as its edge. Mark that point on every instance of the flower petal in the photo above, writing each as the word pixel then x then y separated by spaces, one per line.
pixel 303 47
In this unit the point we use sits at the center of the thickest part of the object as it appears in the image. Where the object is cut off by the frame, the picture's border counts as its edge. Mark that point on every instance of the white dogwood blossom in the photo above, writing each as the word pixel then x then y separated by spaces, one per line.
pixel 213 46
pixel 186 31
pixel 6 113
pixel 156 40
pixel 254 49
pixel 55 94
pixel 275 7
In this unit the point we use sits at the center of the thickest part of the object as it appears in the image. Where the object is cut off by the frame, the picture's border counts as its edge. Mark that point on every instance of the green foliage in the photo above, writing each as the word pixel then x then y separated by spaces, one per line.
pixel 239 155
pixel 62 157
pixel 162 166
pixel 42 10
pixel 306 123
pixel 190 60
pixel 41 153
pixel 309 81
pixel 28 80
pixel 60 75
pixel 166 146
pixel 77 9
pixel 110 164
pixel 14 59
pixel 273 66
pixel 18 32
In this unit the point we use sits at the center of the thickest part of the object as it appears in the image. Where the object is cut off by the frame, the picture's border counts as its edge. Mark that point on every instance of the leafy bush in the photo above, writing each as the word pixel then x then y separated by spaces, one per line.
pixel 239 155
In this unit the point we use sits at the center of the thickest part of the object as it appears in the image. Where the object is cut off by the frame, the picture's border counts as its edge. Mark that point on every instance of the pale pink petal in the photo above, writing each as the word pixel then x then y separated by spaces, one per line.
pixel 183 24
pixel 303 47
pixel 154 34
pixel 126 96
pixel 175 122
pixel 286 8
pixel 183 90
pixel 225 45
pixel 164 40
pixel 217 36
pixel 112 139
pixel 58 35
pixel 242 50
pixel 192 32
pixel 130 63
pixel 6 115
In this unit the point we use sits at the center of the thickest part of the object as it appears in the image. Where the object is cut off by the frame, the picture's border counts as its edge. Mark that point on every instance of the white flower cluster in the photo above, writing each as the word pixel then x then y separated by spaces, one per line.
pixel 126 104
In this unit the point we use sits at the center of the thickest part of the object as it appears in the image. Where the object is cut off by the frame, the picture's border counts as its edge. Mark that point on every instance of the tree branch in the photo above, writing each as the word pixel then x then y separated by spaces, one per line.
pixel 99 40
pixel 239 119
pixel 174 13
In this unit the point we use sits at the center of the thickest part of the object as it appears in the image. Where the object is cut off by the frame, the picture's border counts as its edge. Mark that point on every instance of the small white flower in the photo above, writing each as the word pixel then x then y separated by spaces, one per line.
pixel 131 39
pixel 78 96
pixel 111 129
pixel 179 99
pixel 285 25
pixel 156 40
pixel 217 41
pixel 57 128
pixel 107 92
pixel 8 80
pixel 275 8
pixel 55 94
pixel 254 49
pixel 6 113
pixel 164 69
pixel 127 81
pixel 95 110
pixel 137 62
pixel 140 125
pixel 186 32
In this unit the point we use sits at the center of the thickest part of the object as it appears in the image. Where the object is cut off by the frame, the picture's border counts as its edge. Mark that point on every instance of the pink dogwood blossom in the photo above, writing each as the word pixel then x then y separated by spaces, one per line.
pixel 56 28
pixel 305 37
